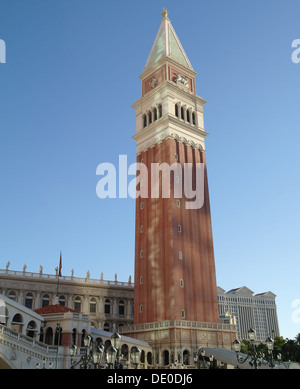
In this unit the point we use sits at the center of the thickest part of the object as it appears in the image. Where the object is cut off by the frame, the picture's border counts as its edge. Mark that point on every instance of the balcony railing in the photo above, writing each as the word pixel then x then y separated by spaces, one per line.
pixel 27 340
pixel 71 279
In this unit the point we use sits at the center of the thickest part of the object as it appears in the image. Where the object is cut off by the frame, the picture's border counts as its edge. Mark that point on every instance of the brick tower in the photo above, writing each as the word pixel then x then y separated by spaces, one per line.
pixel 175 280
pixel 174 259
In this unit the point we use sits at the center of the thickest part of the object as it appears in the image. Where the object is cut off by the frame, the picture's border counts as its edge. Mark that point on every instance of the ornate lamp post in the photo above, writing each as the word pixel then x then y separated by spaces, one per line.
pixel 135 356
pixel 255 358
pixel 116 342
pixel 111 354
pixel 87 360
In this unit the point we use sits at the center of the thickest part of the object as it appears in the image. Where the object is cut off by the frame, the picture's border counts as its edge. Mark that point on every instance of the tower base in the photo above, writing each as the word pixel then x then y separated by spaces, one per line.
pixel 175 342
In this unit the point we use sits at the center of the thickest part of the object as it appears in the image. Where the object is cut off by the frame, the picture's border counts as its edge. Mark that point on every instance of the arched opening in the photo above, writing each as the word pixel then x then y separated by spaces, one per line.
pixel 121 307
pixel 107 344
pixel 93 305
pixel 149 358
pixel 186 357
pixel 124 351
pixel 12 295
pixel 159 111
pixel 45 300
pixel 143 356
pixel 107 305
pixel 176 110
pixel 17 322
pixel 149 117
pixel 31 329
pixel 98 341
pixel 182 113
pixel 62 300
pixel 77 304
pixel 29 300
pixel 49 336
pixel 188 116
pixel 165 357
pixel 194 118
pixel 106 327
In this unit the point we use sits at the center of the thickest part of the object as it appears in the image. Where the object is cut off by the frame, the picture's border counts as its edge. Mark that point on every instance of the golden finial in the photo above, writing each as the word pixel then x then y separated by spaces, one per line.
pixel 164 13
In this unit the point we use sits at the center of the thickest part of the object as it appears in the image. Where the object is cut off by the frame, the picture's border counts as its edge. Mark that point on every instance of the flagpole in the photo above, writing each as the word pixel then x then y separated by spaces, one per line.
pixel 59 273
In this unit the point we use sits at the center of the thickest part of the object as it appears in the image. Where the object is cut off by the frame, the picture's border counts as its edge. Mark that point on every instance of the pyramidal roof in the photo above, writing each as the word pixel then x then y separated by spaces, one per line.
pixel 167 44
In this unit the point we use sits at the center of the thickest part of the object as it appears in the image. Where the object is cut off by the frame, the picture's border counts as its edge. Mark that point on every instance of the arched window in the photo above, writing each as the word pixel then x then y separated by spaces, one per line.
pixel 194 118
pixel 182 113
pixel 149 117
pixel 93 305
pixel 107 305
pixel 77 304
pixel 176 110
pixel 49 336
pixel 188 116
pixel 165 357
pixel 159 111
pixel 29 300
pixel 98 341
pixel 74 336
pixel 144 120
pixel 155 114
pixel 106 327
pixel 149 358
pixel 121 307
pixel 124 351
pixel 62 300
pixel 12 295
pixel 45 300
pixel 186 357
pixel 143 356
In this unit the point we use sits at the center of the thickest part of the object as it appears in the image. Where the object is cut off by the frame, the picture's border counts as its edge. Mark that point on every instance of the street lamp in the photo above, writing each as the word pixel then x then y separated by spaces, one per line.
pixel 116 342
pixel 111 354
pixel 254 356
pixel 135 355
pixel 97 355
pixel 86 360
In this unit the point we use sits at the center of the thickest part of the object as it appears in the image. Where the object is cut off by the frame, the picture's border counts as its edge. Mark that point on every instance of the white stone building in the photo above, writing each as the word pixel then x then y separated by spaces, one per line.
pixel 251 311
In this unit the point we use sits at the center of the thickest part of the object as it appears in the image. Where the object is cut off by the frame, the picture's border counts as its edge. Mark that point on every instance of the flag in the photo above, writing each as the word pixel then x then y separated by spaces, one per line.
pixel 60 266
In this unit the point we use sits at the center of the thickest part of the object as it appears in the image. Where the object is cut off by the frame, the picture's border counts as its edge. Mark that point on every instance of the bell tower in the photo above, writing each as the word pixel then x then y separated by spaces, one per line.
pixel 174 259
pixel 175 280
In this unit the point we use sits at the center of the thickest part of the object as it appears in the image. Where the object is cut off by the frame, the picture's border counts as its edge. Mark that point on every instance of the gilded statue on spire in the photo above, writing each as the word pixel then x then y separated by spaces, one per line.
pixel 164 13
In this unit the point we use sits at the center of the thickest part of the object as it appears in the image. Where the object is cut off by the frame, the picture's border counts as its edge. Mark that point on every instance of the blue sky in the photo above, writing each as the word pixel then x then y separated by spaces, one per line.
pixel 66 92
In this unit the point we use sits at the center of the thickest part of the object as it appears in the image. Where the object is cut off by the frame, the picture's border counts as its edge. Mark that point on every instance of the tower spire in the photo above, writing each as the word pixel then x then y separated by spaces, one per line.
pixel 167 45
